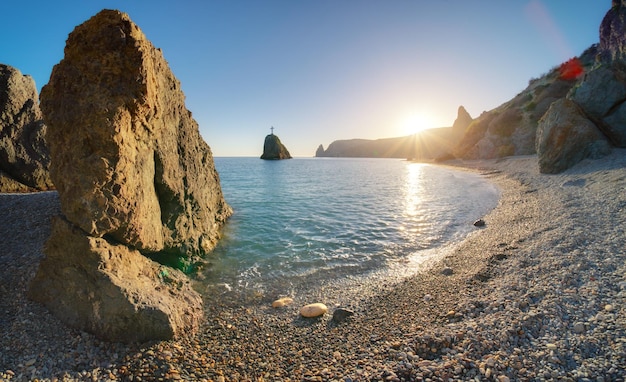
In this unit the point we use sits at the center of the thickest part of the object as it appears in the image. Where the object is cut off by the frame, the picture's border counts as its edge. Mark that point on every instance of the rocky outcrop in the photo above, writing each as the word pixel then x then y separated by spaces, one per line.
pixel 133 176
pixel 612 41
pixel 274 149
pixel 24 157
pixel 462 121
pixel 566 136
pixel 320 151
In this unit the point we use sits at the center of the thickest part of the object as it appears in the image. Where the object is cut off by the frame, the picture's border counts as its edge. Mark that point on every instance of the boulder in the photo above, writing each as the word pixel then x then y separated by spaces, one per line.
pixel 565 136
pixel 274 149
pixel 601 95
pixel 128 159
pixel 134 178
pixel 111 290
pixel 24 157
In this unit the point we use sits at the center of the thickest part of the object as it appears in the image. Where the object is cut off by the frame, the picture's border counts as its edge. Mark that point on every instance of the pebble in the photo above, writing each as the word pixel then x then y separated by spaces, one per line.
pixel 281 302
pixel 313 310
pixel 579 328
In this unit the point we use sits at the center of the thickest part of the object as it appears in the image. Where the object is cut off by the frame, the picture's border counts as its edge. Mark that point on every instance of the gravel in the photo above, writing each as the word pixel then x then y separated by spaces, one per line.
pixel 537 293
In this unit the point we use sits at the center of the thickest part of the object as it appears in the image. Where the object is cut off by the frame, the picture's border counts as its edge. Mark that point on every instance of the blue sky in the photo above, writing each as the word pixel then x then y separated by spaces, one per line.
pixel 322 70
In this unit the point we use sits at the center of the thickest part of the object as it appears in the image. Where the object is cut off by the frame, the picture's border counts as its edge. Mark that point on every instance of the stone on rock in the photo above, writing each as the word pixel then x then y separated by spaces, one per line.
pixel 313 310
pixel 24 157
pixel 281 302
pixel 111 290
pixel 565 136
pixel 273 148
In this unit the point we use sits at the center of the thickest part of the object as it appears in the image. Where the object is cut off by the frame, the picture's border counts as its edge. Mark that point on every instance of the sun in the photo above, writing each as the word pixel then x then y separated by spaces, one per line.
pixel 415 123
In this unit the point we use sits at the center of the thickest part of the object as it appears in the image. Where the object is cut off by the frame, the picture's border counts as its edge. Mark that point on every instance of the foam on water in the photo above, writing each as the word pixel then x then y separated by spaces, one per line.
pixel 314 218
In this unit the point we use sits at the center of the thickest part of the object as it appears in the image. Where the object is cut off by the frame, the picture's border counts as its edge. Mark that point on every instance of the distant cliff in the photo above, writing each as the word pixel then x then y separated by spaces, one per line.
pixel 427 145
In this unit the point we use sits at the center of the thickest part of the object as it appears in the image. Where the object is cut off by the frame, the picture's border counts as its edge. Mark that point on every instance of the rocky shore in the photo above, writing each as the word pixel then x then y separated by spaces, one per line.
pixel 538 293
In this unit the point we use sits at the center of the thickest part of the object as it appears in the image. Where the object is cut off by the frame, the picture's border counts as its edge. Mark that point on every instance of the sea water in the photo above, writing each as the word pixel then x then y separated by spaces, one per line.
pixel 303 220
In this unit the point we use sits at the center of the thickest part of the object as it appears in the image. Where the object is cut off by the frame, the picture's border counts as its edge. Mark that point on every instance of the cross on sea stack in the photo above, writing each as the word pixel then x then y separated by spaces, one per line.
pixel 135 180
pixel 273 148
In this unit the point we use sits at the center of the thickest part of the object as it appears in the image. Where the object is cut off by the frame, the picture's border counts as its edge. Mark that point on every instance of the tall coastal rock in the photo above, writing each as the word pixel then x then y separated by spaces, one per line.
pixel 273 148
pixel 135 180
pixel 24 157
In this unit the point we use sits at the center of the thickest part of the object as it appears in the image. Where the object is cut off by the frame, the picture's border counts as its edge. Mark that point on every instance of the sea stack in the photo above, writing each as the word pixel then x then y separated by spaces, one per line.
pixel 136 183
pixel 274 149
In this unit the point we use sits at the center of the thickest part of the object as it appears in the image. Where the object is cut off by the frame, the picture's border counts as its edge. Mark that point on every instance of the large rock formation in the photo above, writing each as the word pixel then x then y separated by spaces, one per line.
pixel 273 148
pixel 612 41
pixel 133 176
pixel 24 157
pixel 566 136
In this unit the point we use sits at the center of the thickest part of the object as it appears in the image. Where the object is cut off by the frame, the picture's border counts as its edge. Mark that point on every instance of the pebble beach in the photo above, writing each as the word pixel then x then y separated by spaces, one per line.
pixel 537 294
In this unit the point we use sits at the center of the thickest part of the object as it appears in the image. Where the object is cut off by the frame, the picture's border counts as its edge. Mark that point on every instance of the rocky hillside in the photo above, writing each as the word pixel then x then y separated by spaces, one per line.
pixel 511 128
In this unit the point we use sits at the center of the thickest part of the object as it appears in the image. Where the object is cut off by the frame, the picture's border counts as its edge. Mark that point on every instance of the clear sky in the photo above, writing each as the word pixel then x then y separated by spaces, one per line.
pixel 322 70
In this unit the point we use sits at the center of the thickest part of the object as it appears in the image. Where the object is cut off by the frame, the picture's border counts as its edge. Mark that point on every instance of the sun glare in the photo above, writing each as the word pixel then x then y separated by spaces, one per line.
pixel 416 122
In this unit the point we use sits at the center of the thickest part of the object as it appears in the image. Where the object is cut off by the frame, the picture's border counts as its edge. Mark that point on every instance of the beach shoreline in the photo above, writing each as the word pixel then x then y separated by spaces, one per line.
pixel 539 293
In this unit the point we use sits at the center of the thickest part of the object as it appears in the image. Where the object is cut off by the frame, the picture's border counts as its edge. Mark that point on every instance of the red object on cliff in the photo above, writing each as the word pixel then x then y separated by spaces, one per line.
pixel 571 69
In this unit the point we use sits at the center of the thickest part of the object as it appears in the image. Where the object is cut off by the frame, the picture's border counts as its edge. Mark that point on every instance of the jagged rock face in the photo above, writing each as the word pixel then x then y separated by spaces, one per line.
pixel 24 157
pixel 111 290
pixel 320 151
pixel 565 136
pixel 602 95
pixel 128 159
pixel 134 178
pixel 463 119
pixel 274 149
pixel 612 33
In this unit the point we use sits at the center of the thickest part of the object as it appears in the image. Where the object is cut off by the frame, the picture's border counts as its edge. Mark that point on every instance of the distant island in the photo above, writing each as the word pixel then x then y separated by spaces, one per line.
pixel 273 148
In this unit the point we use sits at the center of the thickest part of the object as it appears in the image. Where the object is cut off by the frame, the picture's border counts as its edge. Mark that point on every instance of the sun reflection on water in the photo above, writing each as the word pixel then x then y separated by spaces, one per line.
pixel 414 189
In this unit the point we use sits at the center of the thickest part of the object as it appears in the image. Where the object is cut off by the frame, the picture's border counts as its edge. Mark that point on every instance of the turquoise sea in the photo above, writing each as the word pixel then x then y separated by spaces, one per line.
pixel 303 220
